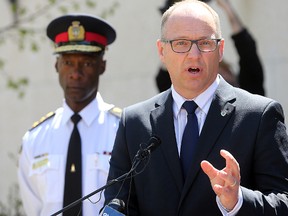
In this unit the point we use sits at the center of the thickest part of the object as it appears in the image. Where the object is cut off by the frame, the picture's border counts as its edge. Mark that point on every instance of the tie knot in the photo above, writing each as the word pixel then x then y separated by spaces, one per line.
pixel 190 106
pixel 75 118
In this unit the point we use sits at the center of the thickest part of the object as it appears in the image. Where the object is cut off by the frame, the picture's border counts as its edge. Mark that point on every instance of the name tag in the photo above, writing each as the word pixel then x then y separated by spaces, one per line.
pixel 40 163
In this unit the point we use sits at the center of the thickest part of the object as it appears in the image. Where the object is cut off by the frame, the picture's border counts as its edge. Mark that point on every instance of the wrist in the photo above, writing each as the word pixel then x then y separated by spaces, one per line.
pixel 226 209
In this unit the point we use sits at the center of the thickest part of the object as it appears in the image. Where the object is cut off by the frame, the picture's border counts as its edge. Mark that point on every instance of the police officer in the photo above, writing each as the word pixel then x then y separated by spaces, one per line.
pixel 45 164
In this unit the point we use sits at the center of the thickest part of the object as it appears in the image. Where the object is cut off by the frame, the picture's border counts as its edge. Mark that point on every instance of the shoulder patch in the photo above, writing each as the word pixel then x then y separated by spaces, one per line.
pixel 42 119
pixel 116 111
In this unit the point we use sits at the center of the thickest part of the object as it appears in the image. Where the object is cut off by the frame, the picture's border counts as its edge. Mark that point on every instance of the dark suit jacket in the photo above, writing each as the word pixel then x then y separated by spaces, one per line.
pixel 251 127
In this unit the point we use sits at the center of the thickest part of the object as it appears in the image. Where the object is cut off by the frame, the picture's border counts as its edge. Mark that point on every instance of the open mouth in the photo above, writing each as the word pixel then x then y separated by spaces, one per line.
pixel 193 70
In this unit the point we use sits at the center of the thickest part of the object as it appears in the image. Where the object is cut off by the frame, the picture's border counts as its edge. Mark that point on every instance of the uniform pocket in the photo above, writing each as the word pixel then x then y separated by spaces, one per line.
pixel 48 174
pixel 99 162
pixel 97 170
pixel 43 164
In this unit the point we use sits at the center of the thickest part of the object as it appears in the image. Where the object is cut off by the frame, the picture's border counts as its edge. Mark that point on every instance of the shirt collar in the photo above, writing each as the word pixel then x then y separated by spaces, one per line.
pixel 88 113
pixel 201 100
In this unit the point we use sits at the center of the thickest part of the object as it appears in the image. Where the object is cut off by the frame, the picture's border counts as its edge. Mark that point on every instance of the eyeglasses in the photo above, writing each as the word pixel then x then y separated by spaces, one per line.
pixel 183 45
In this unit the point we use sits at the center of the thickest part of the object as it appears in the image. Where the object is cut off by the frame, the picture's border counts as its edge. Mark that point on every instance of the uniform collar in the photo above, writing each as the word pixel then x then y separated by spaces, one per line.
pixel 88 113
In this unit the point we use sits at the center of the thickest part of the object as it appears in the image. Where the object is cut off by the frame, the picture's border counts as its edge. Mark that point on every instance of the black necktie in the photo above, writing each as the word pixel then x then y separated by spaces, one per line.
pixel 73 174
pixel 190 136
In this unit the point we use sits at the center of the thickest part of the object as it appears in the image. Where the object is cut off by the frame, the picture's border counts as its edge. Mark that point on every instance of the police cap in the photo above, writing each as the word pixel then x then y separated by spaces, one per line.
pixel 80 33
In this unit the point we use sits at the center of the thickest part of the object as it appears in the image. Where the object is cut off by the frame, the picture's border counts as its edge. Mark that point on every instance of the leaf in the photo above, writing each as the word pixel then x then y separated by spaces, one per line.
pixel 1 63
pixel 91 4
pixel 34 47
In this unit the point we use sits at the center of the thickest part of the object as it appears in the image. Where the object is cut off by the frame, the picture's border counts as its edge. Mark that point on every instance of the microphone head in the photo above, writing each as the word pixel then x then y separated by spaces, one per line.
pixel 154 142
pixel 117 204
pixel 146 149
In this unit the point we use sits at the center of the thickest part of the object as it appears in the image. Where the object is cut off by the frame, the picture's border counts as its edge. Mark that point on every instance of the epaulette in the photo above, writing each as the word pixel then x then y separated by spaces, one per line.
pixel 116 111
pixel 42 119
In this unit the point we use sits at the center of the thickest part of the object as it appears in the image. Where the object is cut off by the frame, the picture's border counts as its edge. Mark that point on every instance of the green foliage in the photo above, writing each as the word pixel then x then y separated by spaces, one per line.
pixel 14 204
pixel 110 11
pixel 90 3
pixel 18 84
pixel 1 64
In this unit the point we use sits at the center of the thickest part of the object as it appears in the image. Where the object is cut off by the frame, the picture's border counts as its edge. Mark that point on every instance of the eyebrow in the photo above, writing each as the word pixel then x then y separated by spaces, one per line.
pixel 188 38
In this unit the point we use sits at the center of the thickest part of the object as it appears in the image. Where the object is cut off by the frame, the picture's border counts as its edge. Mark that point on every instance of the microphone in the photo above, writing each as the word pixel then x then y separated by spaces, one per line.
pixel 115 207
pixel 153 143
pixel 111 209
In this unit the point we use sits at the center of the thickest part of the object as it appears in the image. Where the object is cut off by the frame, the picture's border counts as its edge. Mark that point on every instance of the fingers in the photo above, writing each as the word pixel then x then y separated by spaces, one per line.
pixel 209 169
pixel 229 179
pixel 235 182
pixel 225 179
pixel 232 168
pixel 225 182
pixel 214 175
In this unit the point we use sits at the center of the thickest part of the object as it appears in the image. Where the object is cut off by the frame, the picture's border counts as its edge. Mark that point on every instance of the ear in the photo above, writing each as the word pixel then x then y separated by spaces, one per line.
pixel 56 64
pixel 102 67
pixel 160 48
pixel 221 49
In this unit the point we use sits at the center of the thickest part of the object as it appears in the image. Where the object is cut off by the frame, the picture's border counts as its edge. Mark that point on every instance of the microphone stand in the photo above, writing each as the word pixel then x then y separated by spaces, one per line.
pixel 111 182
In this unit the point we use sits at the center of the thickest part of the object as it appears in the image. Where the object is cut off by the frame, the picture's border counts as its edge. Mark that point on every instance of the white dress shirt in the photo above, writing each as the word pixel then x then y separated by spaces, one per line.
pixel 42 162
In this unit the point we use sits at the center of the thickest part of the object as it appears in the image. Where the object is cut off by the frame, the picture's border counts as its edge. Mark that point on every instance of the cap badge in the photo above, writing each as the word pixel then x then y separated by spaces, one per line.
pixel 76 32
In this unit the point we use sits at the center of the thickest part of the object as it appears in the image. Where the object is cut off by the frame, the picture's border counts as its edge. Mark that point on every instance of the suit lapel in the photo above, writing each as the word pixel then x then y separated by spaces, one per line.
pixel 163 125
pixel 219 113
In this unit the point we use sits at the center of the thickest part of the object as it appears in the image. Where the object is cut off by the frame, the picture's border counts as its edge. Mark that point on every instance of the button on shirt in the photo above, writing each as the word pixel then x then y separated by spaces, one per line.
pixel 43 158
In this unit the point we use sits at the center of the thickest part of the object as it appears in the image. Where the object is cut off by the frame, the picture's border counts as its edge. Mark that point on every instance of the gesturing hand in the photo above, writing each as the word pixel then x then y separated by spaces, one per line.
pixel 225 182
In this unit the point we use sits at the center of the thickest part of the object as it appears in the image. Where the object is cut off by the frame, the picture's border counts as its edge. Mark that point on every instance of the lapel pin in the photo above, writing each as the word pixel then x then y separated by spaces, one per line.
pixel 223 113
